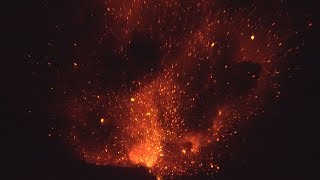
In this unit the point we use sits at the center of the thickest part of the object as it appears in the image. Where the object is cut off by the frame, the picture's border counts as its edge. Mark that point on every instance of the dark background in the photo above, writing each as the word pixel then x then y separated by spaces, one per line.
pixel 281 144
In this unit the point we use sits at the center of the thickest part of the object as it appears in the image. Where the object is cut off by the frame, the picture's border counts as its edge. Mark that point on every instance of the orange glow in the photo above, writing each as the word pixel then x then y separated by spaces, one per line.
pixel 145 154
pixel 102 120
pixel 183 151
pixel 165 122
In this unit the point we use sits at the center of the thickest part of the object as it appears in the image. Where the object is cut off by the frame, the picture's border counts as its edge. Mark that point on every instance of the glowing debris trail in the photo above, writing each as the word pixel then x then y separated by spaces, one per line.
pixel 213 72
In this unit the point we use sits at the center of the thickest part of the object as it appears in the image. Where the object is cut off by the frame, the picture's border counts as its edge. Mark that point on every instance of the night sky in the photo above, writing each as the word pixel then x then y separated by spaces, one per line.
pixel 136 89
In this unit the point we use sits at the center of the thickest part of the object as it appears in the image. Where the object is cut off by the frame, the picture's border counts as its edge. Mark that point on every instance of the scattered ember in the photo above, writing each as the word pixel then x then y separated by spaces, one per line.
pixel 177 99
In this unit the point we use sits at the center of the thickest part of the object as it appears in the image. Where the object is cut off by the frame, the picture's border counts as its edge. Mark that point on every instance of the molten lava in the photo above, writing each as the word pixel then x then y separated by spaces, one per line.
pixel 176 79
